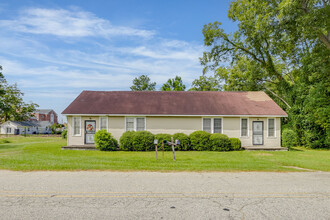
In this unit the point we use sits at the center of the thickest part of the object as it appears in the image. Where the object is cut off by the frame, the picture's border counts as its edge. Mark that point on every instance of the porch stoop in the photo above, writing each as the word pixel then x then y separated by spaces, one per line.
pixel 79 147
pixel 266 148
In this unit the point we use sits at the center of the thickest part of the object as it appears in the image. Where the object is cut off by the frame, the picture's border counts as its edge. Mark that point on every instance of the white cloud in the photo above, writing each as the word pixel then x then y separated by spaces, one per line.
pixel 65 23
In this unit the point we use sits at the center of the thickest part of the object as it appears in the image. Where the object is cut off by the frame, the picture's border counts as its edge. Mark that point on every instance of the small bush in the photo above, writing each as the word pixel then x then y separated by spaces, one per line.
pixel 64 134
pixel 289 138
pixel 126 141
pixel 104 141
pixel 143 141
pixel 184 141
pixel 4 141
pixel 220 142
pixel 235 143
pixel 200 140
pixel 160 138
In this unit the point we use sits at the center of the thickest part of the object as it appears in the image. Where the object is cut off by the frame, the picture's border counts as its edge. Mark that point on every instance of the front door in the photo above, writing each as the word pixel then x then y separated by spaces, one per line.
pixel 258 133
pixel 90 128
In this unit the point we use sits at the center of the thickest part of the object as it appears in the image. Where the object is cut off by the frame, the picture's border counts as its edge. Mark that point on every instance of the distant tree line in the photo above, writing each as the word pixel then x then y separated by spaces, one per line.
pixel 12 106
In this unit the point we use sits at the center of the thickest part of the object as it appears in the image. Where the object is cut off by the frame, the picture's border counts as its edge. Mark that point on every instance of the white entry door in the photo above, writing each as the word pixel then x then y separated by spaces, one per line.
pixel 258 133
pixel 90 129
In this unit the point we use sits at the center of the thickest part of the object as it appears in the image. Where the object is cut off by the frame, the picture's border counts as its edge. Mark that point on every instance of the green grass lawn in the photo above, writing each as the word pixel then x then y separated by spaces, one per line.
pixel 44 153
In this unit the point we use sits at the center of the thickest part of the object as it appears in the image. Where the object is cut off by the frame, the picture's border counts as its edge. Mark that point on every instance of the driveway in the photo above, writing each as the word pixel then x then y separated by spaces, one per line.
pixel 152 195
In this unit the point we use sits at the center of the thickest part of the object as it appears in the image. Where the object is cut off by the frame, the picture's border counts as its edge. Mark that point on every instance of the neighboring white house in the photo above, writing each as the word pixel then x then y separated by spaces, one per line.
pixel 25 127
pixel 253 117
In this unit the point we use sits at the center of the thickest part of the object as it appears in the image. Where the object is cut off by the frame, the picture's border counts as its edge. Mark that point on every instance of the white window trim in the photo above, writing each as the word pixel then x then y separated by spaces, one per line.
pixel 76 135
pixel 100 118
pixel 274 128
pixel 212 124
pixel 240 128
pixel 135 122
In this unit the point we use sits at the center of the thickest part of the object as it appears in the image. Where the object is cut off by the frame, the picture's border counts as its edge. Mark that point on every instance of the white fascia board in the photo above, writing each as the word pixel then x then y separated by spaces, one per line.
pixel 144 115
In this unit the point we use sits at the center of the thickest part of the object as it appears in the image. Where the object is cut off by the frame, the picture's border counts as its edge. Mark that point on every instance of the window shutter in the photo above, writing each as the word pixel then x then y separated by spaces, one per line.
pixel 271 127
pixel 217 125
pixel 244 127
pixel 207 124
pixel 140 124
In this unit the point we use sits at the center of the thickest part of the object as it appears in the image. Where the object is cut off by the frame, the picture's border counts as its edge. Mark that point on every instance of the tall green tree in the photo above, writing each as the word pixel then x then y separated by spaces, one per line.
pixel 142 83
pixel 175 84
pixel 12 106
pixel 205 83
pixel 281 47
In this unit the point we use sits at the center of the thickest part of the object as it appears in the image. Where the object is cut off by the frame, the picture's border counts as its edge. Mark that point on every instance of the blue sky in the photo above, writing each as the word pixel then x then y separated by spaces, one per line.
pixel 55 49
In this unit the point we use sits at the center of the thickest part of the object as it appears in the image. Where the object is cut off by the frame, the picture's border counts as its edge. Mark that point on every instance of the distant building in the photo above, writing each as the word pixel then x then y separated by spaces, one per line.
pixel 26 127
pixel 45 115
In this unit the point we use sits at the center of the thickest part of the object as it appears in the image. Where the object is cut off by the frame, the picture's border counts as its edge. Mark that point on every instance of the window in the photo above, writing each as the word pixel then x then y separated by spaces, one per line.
pixel 244 127
pixel 52 118
pixel 76 126
pixel 212 125
pixel 271 127
pixel 103 123
pixel 140 124
pixel 207 125
pixel 8 130
pixel 130 124
pixel 135 124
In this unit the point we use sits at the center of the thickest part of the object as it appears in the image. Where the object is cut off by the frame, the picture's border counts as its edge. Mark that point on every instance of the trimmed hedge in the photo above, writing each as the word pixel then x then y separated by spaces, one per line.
pixel 200 140
pixel 143 141
pixel 126 141
pixel 220 142
pixel 104 141
pixel 289 138
pixel 160 138
pixel 235 143
pixel 184 141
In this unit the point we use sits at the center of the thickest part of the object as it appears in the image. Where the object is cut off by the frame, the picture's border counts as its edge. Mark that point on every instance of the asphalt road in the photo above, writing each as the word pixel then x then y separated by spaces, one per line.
pixel 151 195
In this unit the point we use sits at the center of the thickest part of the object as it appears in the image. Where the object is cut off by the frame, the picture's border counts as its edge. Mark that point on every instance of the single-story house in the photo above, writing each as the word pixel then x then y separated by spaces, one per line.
pixel 253 117
pixel 25 127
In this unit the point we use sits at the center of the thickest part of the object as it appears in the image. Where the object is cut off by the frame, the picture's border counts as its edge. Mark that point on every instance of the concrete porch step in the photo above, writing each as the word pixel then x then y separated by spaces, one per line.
pixel 266 148
pixel 79 147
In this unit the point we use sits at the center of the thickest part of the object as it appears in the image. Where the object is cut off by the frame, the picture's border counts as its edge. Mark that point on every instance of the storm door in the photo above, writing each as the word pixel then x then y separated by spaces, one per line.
pixel 258 133
pixel 90 129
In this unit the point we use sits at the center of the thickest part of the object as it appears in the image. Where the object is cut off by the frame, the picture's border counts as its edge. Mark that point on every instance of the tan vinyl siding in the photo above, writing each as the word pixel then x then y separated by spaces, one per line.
pixel 231 126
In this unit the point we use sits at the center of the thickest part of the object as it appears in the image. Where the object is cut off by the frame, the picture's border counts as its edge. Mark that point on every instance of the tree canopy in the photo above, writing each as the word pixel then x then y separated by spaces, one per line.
pixel 281 47
pixel 175 84
pixel 12 106
pixel 142 83
pixel 205 83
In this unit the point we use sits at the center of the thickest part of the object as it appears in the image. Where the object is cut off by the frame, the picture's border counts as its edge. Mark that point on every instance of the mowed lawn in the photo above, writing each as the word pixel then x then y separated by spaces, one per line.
pixel 44 153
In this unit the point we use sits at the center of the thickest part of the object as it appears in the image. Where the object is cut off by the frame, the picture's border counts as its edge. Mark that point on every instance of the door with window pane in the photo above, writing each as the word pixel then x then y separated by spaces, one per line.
pixel 258 133
pixel 90 128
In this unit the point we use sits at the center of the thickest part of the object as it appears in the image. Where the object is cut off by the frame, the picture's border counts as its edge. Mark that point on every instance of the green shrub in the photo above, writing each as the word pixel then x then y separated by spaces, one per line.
pixel 220 142
pixel 64 134
pixel 126 141
pixel 200 140
pixel 235 143
pixel 289 138
pixel 184 141
pixel 104 141
pixel 4 141
pixel 143 141
pixel 160 138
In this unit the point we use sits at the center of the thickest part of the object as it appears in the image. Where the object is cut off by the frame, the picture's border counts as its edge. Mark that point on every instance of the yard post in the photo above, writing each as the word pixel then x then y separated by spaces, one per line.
pixel 172 143
pixel 156 148
pixel 163 148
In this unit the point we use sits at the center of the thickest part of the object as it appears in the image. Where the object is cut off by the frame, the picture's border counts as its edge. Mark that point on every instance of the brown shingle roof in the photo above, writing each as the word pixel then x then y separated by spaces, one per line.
pixel 174 103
